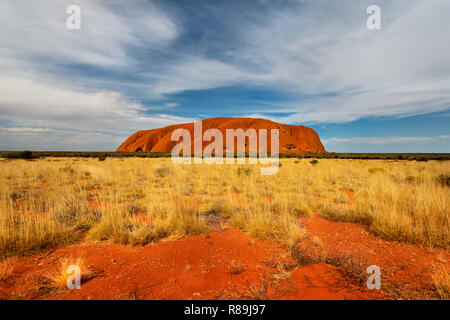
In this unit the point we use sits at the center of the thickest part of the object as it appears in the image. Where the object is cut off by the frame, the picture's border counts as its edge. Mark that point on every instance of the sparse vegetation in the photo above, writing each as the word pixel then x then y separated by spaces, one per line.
pixel 266 226
pixel 54 201
pixel 162 172
pixel 58 201
pixel 60 276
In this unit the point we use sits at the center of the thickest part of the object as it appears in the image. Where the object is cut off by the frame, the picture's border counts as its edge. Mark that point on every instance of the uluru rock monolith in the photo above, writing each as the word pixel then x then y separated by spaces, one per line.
pixel 293 138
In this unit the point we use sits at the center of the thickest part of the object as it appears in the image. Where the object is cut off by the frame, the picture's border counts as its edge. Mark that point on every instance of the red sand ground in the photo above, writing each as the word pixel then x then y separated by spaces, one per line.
pixel 229 265
pixel 292 138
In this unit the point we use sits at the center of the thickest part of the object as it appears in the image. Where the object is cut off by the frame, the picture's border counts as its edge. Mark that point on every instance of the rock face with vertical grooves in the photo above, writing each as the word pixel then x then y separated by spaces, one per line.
pixel 293 138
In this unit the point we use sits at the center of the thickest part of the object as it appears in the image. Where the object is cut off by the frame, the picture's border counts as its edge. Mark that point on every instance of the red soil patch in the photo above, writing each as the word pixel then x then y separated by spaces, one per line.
pixel 230 265
pixel 405 266
pixel 293 138
pixel 221 265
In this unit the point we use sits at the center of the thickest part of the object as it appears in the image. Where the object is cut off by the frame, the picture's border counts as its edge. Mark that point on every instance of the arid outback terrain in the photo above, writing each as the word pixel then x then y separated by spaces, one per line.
pixel 151 229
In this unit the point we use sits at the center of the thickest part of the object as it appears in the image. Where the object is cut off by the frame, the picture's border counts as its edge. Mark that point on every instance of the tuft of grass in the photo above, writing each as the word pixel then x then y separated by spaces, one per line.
pixel 67 169
pixel 348 265
pixel 266 226
pixel 221 208
pixel 74 212
pixel 258 291
pixel 235 267
pixel 441 280
pixel 290 205
pixel 162 172
pixel 118 226
pixel 443 180
pixel 61 274
pixel 244 171
pixel 135 208
pixel 314 162
pixel 114 225
pixel 377 170
pixel 413 179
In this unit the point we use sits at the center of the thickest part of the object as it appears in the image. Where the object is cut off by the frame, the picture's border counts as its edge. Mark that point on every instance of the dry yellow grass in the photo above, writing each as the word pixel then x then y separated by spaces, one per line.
pixel 137 201
pixel 441 280
pixel 60 275
pixel 7 268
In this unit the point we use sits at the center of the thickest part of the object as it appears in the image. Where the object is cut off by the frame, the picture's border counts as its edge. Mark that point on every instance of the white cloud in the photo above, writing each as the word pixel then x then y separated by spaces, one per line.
pixel 24 129
pixel 36 99
pixel 197 73
pixel 57 140
pixel 33 29
pixel 382 140
pixel 327 52
pixel 34 103
pixel 171 104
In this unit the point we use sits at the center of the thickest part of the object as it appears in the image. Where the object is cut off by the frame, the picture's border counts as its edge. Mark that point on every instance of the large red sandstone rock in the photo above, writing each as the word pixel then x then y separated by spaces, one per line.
pixel 292 138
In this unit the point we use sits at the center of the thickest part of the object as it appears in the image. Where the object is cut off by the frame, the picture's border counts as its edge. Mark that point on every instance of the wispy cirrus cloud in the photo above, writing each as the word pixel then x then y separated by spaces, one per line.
pixel 348 72
pixel 24 129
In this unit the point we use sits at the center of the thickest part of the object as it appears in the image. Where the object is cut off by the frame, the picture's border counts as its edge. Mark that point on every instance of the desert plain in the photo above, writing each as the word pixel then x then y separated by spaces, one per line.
pixel 142 228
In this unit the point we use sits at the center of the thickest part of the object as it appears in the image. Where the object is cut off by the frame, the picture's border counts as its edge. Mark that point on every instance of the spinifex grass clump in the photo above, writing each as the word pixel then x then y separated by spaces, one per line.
pixel 62 275
pixel 121 226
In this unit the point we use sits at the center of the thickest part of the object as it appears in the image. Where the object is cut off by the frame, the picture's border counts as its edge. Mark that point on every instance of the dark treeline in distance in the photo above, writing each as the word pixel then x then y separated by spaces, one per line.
pixel 330 155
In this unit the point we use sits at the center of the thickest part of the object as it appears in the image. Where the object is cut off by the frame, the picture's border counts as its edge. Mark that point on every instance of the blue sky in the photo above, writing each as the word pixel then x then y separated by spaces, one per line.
pixel 145 64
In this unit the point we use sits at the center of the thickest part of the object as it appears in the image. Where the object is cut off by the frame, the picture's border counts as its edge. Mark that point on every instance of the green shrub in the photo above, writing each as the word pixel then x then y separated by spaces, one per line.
pixel 314 162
